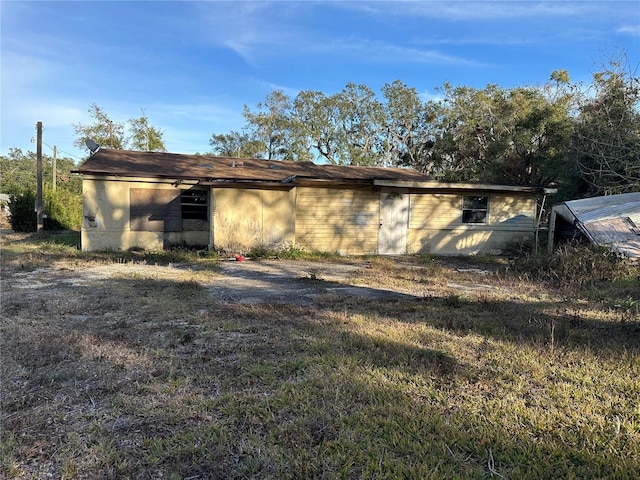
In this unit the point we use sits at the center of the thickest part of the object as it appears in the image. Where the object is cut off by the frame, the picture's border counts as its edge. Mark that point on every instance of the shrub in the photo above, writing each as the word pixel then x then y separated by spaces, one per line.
pixel 64 210
pixel 574 265
pixel 23 217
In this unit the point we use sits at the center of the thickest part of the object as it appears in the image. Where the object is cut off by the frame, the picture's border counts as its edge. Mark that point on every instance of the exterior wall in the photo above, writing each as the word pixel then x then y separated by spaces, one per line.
pixel 343 220
pixel 106 222
pixel 246 218
pixel 338 220
pixel 435 224
pixel 106 216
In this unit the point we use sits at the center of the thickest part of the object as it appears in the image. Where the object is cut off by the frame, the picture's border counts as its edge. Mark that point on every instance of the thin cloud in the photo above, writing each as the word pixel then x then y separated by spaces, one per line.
pixel 250 29
pixel 427 96
pixel 465 10
pixel 632 30
pixel 379 51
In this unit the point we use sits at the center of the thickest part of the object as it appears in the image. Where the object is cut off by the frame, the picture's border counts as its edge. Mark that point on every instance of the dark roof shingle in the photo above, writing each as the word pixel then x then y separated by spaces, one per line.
pixel 210 168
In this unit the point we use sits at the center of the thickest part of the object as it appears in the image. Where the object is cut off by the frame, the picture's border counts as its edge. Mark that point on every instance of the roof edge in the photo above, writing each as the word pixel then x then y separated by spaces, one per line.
pixel 439 185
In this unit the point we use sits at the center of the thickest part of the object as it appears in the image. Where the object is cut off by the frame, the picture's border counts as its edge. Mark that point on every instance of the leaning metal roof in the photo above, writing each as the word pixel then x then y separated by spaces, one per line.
pixel 211 170
pixel 612 220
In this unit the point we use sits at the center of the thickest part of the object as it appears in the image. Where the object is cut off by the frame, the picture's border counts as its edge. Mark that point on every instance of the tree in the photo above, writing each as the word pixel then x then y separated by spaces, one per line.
pixel 606 135
pixel 236 144
pixel 23 217
pixel 406 136
pixel 135 134
pixel 314 120
pixel 143 136
pixel 515 136
pixel 585 142
pixel 19 172
pixel 271 125
pixel 62 206
pixel 360 120
pixel 103 130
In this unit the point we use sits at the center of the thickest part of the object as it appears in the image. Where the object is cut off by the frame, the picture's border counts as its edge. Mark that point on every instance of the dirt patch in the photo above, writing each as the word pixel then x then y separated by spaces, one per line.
pixel 247 282
pixel 296 282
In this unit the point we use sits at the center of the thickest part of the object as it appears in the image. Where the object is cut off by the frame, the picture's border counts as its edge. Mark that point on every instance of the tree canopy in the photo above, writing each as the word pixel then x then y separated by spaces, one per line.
pixel 605 142
pixel 63 205
pixel 134 134
pixel 584 139
pixel 19 172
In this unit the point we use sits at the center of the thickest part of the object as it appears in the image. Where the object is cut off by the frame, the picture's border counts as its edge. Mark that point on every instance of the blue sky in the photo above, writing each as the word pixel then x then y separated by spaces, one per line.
pixel 192 66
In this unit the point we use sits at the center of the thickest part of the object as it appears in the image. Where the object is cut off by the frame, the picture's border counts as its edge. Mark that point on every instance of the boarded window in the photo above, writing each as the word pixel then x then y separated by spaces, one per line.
pixel 155 210
pixel 475 209
pixel 194 204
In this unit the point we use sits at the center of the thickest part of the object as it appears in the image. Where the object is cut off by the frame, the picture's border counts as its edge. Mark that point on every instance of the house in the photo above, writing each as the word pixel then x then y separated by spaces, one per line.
pixel 612 221
pixel 154 201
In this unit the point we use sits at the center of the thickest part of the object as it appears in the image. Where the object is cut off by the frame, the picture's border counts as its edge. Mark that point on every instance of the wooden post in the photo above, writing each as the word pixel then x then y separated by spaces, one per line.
pixel 54 167
pixel 39 201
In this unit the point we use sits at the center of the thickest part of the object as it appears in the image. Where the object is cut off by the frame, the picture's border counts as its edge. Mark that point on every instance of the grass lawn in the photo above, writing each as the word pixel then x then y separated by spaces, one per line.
pixel 146 375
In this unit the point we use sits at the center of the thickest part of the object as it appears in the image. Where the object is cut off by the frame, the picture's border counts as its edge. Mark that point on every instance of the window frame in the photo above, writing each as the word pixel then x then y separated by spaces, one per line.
pixel 469 212
pixel 194 210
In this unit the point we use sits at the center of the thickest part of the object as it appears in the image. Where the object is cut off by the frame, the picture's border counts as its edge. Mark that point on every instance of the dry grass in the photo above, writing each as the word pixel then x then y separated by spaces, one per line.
pixel 140 374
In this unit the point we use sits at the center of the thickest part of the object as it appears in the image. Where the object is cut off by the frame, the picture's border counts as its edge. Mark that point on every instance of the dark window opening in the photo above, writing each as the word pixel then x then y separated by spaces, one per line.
pixel 475 209
pixel 194 204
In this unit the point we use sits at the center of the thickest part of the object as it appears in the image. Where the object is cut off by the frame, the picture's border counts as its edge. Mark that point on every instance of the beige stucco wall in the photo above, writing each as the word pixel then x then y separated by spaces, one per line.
pixel 337 220
pixel 435 224
pixel 105 225
pixel 326 219
pixel 247 218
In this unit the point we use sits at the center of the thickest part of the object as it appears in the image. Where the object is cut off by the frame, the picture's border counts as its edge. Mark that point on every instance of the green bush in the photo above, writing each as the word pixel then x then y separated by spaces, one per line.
pixel 23 216
pixel 63 211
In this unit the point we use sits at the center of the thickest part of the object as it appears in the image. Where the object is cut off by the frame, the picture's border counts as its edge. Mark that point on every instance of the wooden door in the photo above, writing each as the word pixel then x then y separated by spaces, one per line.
pixel 394 222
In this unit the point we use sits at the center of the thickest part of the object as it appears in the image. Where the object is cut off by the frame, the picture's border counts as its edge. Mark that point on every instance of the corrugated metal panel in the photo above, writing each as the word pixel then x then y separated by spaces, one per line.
pixel 608 206
pixel 610 221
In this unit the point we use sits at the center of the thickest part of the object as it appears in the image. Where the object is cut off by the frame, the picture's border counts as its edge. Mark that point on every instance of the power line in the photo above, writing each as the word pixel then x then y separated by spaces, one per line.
pixel 62 151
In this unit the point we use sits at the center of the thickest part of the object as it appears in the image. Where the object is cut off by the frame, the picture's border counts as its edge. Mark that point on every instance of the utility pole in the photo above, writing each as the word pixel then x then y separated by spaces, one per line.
pixel 54 166
pixel 39 202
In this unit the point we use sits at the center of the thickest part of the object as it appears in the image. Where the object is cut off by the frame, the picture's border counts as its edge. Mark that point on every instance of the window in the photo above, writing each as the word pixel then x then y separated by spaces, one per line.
pixel 475 209
pixel 194 204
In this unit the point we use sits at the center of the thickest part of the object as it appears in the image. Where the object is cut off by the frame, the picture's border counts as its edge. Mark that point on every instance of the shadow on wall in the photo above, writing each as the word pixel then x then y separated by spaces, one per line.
pixel 478 239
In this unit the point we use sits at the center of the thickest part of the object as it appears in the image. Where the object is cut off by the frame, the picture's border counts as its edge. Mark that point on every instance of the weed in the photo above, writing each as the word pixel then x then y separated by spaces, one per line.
pixel 455 300
pixel 288 252
pixel 574 265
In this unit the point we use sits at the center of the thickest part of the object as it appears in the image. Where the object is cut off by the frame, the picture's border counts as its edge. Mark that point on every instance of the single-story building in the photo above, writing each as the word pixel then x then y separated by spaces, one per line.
pixel 612 221
pixel 154 201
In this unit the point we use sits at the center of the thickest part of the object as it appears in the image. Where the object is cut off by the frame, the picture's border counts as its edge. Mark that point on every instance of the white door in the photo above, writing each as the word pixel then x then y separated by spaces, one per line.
pixel 394 222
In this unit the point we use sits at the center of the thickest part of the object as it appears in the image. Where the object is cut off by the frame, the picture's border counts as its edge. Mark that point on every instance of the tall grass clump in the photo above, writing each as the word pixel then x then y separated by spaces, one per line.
pixel 575 265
